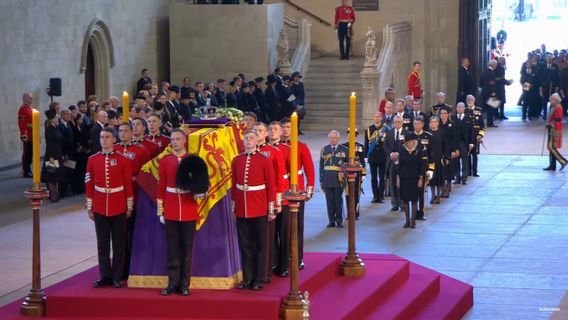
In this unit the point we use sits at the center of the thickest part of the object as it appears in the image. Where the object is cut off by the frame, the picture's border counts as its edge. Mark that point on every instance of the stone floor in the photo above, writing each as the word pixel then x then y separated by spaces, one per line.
pixel 506 233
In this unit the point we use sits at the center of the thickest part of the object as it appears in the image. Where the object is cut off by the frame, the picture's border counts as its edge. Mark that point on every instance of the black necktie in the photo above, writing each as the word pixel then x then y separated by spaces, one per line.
pixel 396 135
pixel 415 114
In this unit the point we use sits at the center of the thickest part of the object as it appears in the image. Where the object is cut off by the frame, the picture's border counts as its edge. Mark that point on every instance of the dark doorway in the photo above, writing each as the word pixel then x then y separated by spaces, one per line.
pixel 90 73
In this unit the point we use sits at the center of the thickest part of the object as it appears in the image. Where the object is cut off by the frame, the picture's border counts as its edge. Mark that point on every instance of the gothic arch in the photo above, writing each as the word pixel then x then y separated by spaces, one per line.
pixel 99 39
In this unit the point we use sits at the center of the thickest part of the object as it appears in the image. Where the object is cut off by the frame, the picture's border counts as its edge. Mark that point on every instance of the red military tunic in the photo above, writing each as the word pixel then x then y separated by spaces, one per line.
pixel 174 204
pixel 25 122
pixel 306 162
pixel 279 166
pixel 136 153
pixel 344 14
pixel 414 85
pixel 254 189
pixel 555 120
pixel 150 147
pixel 108 184
pixel 161 142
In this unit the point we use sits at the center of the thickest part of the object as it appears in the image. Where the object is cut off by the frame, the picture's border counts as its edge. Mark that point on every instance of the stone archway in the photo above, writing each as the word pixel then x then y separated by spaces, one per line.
pixel 98 43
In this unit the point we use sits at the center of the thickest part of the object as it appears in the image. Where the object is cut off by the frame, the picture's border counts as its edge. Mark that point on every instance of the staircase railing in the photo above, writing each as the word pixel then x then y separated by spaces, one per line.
pixel 309 13
pixel 302 54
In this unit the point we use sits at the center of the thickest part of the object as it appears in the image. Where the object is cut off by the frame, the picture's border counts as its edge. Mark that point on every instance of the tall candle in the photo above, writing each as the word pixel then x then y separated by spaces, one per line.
pixel 125 107
pixel 35 147
pixel 352 128
pixel 294 151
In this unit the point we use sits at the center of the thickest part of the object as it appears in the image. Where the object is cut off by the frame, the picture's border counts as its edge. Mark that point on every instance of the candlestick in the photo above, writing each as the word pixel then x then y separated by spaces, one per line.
pixel 125 107
pixel 35 148
pixel 352 114
pixel 294 152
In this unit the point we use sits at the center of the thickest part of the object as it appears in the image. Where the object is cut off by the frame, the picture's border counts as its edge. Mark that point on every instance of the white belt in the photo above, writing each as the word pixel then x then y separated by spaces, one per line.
pixel 175 190
pixel 109 190
pixel 133 178
pixel 251 188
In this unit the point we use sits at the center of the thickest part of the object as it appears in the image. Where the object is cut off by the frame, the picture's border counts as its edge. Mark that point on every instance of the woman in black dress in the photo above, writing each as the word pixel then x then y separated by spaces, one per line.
pixel 52 171
pixel 409 180
pixel 446 126
pixel 437 145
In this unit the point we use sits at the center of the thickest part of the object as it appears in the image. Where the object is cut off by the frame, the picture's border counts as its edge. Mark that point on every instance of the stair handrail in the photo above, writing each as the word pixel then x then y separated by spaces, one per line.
pixel 309 13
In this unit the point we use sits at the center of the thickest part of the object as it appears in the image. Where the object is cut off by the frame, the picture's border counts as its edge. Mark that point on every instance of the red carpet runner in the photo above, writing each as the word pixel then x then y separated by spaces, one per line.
pixel 392 288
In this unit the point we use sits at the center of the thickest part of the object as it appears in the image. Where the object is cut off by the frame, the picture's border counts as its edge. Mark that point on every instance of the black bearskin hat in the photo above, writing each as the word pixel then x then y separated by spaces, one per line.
pixel 192 175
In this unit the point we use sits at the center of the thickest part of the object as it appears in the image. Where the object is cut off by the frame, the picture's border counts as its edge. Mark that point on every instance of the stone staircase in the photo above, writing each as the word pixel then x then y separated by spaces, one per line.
pixel 328 84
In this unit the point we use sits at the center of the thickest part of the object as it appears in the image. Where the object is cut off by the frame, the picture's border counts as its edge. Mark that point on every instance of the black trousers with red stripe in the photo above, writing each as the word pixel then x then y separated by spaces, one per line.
pixel 27 151
pixel 108 228
pixel 253 246
pixel 282 240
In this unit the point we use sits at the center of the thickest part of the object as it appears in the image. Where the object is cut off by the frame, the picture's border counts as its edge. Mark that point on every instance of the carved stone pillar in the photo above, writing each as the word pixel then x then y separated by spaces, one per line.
pixel 282 48
pixel 370 80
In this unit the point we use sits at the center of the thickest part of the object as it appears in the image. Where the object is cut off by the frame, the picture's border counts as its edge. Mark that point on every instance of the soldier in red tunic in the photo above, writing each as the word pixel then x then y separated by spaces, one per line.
pixel 25 125
pixel 253 194
pixel 154 135
pixel 280 176
pixel 344 20
pixel 414 84
pixel 306 180
pixel 554 128
pixel 282 234
pixel 108 188
pixel 138 132
pixel 138 156
pixel 177 209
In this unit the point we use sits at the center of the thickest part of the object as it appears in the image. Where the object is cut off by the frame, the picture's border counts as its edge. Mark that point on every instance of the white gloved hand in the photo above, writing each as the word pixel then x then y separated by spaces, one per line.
pixel 200 196
pixel 162 220
pixel 349 25
pixel 429 174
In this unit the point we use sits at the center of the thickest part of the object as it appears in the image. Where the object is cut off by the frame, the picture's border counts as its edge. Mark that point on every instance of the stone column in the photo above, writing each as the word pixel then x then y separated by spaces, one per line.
pixel 282 48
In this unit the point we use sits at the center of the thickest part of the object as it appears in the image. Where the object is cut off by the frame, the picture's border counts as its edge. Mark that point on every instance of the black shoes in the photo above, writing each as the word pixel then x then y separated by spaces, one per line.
pixel 464 182
pixel 492 126
pixel 102 282
pixel 339 226
pixel 168 291
pixel 375 200
pixel 331 225
pixel 562 166
pixel 550 169
pixel 283 274
pixel 301 266
pixel 457 181
pixel 257 286
pixel 116 284
pixel 406 225
pixel 395 208
pixel 244 285
pixel 184 292
pixel 475 175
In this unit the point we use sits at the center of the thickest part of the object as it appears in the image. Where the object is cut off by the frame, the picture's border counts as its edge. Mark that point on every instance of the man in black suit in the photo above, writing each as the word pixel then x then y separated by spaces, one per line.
pixel 377 158
pixel 464 143
pixel 94 134
pixel 144 80
pixel 549 76
pixel 488 90
pixel 67 148
pixel 417 112
pixel 465 81
pixel 394 140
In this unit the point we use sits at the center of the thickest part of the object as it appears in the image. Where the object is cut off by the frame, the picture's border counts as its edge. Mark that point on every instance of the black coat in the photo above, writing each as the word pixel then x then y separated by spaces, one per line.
pixel 53 150
pixel 392 145
pixel 67 141
pixel 272 103
pixel 299 92
pixel 410 169
pixel 487 84
pixel 231 100
pixel 95 137
pixel 463 132
pixel 465 84
pixel 141 83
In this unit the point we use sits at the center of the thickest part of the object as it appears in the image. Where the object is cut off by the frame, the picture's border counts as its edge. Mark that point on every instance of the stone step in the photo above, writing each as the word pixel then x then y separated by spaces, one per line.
pixel 330 74
pixel 322 106
pixel 337 96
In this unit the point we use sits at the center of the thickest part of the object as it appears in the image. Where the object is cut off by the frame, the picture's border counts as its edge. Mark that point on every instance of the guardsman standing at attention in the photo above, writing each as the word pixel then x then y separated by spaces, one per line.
pixel 414 83
pixel 25 125
pixel 110 198
pixel 137 156
pixel 177 210
pixel 476 115
pixel 428 166
pixel 333 157
pixel 344 20
pixel 360 176
pixel 254 195
pixel 154 135
pixel 306 180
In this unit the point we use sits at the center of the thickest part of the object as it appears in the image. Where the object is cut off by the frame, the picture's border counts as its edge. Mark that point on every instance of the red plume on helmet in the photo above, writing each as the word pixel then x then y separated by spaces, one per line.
pixel 192 175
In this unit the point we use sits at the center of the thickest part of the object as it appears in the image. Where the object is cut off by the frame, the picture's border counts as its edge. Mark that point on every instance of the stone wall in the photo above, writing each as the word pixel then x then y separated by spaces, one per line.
pixel 44 39
pixel 208 42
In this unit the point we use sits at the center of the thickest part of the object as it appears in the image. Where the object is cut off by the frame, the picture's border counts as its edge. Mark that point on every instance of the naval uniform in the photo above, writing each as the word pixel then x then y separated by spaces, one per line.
pixel 476 116
pixel 377 158
pixel 332 158
pixel 109 193
pixel 179 209
pixel 254 195
pixel 427 164
pixel 359 176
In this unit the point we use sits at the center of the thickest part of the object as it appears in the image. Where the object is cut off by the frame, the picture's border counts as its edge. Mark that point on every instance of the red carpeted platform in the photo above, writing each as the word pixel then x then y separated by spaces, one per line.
pixel 392 288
